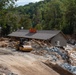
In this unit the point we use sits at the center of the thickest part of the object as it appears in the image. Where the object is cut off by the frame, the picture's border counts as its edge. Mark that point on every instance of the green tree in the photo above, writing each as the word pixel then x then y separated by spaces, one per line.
pixel 25 21
pixel 4 4
pixel 52 15
pixel 70 16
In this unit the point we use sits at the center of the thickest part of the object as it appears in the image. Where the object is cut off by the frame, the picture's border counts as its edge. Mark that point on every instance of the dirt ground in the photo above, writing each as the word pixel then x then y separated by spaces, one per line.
pixel 23 64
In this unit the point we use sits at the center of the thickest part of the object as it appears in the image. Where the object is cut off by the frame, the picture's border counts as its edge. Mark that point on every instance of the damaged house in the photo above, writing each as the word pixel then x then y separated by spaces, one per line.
pixel 55 37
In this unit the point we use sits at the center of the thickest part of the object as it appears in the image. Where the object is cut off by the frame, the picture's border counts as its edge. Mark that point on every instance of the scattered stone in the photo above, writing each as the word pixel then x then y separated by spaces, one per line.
pixel 69 67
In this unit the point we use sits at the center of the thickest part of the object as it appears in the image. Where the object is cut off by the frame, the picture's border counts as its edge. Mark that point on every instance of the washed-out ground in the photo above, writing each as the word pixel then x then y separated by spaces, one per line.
pixel 22 63
pixel 44 59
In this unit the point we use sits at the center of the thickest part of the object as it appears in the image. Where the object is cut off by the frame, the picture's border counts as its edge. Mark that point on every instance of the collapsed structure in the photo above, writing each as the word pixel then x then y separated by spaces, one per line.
pixel 55 37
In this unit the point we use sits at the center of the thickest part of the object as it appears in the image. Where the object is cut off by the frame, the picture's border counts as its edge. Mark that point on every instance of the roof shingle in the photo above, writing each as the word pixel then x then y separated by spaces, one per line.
pixel 41 34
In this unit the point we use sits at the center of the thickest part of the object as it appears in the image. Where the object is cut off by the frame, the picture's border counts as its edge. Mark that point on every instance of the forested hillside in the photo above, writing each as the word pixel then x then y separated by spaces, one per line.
pixel 43 15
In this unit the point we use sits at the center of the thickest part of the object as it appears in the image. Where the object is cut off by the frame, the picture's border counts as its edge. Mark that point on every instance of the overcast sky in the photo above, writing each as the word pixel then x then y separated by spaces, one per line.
pixel 23 2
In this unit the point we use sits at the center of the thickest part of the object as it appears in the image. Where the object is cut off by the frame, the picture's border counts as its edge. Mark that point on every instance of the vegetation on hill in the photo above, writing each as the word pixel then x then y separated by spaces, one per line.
pixel 47 14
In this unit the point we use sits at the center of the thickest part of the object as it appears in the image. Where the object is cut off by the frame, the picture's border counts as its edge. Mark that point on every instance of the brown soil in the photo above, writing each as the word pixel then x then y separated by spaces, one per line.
pixel 25 65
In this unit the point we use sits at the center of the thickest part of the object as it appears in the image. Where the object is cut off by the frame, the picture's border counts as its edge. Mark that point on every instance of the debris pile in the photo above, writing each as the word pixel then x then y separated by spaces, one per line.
pixel 60 52
pixel 69 67
pixel 65 55
pixel 58 68
pixel 3 42
pixel 72 54
pixel 49 51
pixel 6 42
pixel 54 54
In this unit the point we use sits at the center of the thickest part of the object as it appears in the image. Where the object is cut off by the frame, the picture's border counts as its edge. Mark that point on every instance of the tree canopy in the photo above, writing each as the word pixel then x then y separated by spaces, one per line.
pixel 43 15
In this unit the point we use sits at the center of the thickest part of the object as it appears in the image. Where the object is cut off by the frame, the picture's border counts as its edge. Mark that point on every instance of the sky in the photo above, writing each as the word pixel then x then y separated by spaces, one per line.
pixel 23 2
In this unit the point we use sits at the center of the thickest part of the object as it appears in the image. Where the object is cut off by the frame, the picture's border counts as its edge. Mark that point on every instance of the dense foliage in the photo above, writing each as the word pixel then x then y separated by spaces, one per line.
pixel 47 14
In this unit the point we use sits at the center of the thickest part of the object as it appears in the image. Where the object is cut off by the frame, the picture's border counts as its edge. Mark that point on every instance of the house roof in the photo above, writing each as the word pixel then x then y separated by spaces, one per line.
pixel 40 34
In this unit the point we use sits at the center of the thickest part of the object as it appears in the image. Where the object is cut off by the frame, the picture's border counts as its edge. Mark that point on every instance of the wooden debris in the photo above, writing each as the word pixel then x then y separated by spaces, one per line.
pixel 58 68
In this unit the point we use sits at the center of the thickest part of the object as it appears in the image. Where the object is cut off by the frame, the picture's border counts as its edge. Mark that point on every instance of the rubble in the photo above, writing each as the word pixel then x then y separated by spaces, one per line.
pixel 58 68
pixel 69 67
pixel 63 54
pixel 72 56
pixel 66 56
pixel 54 54
pixel 5 42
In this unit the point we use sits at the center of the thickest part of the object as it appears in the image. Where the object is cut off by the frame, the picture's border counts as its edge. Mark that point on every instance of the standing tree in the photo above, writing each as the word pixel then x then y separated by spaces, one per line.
pixel 70 16
pixel 4 5
pixel 52 15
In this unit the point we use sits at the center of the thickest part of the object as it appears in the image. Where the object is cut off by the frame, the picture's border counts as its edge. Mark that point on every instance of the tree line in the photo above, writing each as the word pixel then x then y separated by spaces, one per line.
pixel 43 15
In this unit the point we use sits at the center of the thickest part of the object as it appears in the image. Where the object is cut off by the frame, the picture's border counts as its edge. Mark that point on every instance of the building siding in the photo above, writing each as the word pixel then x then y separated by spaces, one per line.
pixel 59 37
